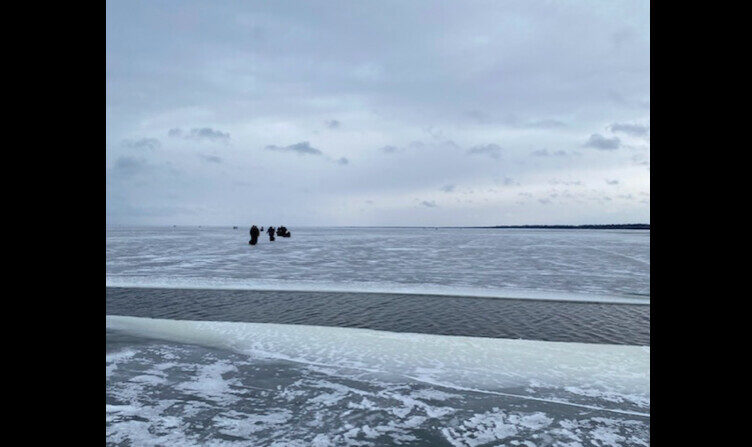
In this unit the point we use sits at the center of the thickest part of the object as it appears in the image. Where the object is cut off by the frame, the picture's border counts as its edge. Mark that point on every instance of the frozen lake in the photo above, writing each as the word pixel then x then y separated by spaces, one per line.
pixel 378 337
pixel 597 265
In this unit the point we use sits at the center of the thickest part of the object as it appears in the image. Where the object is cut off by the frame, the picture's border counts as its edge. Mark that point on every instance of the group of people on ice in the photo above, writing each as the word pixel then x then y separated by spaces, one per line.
pixel 281 231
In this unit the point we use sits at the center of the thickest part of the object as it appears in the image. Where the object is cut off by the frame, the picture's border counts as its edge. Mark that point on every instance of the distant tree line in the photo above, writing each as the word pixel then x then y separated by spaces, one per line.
pixel 637 226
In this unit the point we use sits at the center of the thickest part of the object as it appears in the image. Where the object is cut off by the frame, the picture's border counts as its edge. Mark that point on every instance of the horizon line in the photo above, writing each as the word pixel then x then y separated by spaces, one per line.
pixel 638 224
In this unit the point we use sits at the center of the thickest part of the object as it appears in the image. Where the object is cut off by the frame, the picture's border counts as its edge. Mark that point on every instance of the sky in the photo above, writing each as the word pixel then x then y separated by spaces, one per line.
pixel 435 113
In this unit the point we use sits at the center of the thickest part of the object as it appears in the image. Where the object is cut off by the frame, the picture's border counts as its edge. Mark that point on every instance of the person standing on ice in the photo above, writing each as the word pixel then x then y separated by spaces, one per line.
pixel 270 232
pixel 254 235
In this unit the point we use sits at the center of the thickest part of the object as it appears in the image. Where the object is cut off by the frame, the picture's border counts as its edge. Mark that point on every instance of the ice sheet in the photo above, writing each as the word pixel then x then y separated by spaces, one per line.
pixel 582 265
pixel 224 387
pixel 457 362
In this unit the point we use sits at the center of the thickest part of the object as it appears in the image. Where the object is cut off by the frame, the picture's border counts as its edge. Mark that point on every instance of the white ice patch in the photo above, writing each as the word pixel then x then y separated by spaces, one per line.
pixel 465 363
pixel 150 379
pixel 492 426
pixel 497 425
pixel 210 383
pixel 208 398
pixel 637 399
pixel 112 359
pixel 243 425
pixel 432 394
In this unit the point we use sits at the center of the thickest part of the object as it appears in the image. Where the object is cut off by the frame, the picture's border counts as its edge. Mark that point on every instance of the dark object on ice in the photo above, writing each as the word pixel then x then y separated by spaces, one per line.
pixel 254 235
pixel 270 232
pixel 234 227
pixel 262 228
pixel 282 231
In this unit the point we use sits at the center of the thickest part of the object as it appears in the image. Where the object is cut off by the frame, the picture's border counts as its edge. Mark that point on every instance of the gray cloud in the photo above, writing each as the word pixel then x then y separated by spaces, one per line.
pixel 640 160
pixel 142 143
pixel 564 182
pixel 623 36
pixel 128 166
pixel 207 133
pixel 452 76
pixel 492 150
pixel 429 204
pixel 478 116
pixel 389 149
pixel 602 143
pixel 545 124
pixel 303 147
pixel 129 210
pixel 204 133
pixel 343 161
pixel 448 188
pixel 636 130
pixel 545 153
pixel 514 121
pixel 612 182
pixel 211 158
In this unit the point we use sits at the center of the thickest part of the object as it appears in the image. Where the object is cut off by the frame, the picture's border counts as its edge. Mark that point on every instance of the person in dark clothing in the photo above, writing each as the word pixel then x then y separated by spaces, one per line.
pixel 270 232
pixel 254 235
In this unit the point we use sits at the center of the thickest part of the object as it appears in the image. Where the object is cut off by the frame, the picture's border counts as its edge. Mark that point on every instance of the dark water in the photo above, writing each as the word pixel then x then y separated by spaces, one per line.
pixel 479 317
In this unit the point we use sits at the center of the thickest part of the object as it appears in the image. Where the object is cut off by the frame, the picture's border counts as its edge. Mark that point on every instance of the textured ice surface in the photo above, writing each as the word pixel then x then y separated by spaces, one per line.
pixel 464 363
pixel 594 265
pixel 302 385
pixel 173 382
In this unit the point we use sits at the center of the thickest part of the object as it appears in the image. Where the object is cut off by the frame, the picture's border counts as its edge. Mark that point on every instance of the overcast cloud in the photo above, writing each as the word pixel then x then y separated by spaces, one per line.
pixel 232 113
